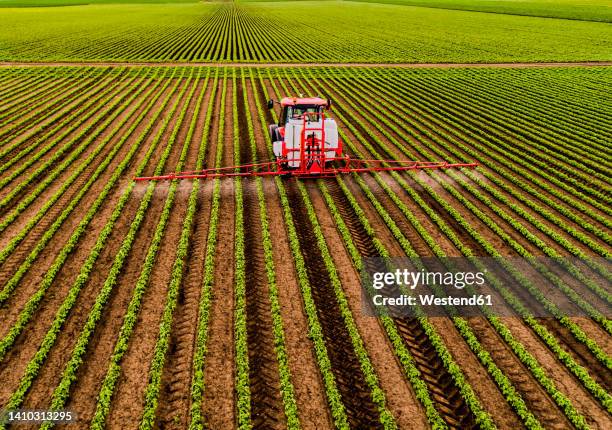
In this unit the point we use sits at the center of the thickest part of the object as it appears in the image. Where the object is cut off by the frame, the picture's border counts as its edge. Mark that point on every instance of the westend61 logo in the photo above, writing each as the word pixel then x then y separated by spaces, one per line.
pixel 411 279
pixel 472 287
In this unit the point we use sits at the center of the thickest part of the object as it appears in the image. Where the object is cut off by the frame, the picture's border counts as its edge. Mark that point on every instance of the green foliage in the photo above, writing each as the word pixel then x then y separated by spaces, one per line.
pixel 56 3
pixel 594 10
pixel 343 32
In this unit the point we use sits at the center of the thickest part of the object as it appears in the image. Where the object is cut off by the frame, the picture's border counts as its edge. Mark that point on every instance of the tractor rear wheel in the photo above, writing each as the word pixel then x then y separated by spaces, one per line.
pixel 274 133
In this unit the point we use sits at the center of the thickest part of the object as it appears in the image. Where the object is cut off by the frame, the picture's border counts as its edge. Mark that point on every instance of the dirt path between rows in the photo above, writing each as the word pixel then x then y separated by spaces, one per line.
pixel 259 65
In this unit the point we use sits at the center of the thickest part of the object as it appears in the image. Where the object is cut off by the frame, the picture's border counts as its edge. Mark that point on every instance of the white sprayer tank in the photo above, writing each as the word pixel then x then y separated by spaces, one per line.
pixel 293 133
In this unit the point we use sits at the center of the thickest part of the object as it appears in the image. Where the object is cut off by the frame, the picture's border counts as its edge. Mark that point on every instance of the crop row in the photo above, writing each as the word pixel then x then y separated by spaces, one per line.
pixel 385 118
pixel 379 117
pixel 69 376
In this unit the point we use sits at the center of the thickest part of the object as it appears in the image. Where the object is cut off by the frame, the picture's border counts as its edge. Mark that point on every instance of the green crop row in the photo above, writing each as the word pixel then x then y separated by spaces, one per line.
pixel 18 89
pixel 77 90
pixel 23 204
pixel 527 136
pixel 32 304
pixel 243 389
pixel 90 109
pixel 447 359
pixel 529 202
pixel 391 89
pixel 452 149
pixel 548 251
pixel 482 133
pixel 526 147
pixel 574 328
pixel 48 234
pixel 276 31
pixel 579 371
pixel 541 331
pixel 568 132
pixel 93 105
pixel 131 316
pixel 514 400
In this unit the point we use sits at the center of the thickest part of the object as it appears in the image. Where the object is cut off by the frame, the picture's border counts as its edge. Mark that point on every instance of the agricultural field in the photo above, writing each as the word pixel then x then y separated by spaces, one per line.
pixel 591 10
pixel 237 302
pixel 305 31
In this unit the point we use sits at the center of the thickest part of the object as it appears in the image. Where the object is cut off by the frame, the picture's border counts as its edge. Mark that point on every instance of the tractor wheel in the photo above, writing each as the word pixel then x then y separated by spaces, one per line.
pixel 274 134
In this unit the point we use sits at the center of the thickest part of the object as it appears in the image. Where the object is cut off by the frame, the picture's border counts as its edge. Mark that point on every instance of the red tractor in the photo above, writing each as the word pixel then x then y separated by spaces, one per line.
pixel 305 143
pixel 305 140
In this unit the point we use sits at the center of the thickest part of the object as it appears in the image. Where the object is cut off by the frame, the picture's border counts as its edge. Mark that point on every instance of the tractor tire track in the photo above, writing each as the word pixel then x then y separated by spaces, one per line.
pixel 267 411
pixel 310 394
pixel 446 396
pixel 267 408
pixel 360 409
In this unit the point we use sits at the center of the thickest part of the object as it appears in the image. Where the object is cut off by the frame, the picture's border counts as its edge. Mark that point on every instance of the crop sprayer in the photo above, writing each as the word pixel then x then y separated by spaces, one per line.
pixel 305 144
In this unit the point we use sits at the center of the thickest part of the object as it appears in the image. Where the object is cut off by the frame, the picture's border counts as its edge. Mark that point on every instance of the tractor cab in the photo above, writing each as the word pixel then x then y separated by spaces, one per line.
pixel 305 138
pixel 294 108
